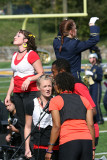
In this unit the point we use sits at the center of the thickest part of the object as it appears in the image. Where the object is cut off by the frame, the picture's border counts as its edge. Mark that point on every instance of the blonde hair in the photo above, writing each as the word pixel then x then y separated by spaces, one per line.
pixel 44 77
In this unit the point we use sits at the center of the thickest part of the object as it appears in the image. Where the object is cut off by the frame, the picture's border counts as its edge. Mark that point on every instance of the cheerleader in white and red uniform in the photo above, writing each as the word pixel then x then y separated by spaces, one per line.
pixel 25 63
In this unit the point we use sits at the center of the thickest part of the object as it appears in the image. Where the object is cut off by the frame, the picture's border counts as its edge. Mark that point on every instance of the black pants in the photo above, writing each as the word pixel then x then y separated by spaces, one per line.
pixel 76 150
pixel 39 154
pixel 21 99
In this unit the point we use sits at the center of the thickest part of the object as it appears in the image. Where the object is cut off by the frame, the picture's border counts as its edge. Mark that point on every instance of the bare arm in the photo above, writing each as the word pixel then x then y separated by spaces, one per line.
pixel 54 132
pixel 27 131
pixel 94 111
pixel 90 124
pixel 10 90
pixel 39 70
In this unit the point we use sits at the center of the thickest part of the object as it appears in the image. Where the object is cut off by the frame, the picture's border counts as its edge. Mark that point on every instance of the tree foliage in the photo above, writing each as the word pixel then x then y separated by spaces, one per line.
pixel 94 8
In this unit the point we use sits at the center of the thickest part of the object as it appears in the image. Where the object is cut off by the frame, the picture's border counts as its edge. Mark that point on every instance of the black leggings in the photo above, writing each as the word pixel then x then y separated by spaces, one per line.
pixel 76 150
pixel 40 154
pixel 21 99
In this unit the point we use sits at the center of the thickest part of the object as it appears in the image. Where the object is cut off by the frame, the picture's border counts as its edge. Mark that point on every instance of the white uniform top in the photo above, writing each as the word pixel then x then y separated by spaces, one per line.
pixel 23 68
pixel 47 119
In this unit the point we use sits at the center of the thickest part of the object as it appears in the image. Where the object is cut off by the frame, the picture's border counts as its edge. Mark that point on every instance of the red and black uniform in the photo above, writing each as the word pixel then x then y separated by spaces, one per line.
pixel 74 133
pixel 23 69
pixel 81 89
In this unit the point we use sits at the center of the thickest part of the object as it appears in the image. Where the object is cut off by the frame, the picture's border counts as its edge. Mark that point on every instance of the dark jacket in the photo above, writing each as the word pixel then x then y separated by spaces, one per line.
pixel 72 48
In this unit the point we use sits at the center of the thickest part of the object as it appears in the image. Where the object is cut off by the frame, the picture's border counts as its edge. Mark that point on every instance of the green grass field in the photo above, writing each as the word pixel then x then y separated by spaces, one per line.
pixel 102 146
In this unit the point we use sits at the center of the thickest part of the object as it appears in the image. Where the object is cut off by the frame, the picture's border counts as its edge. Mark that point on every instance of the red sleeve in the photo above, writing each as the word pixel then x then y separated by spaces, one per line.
pixel 14 53
pixel 82 90
pixel 32 57
pixel 86 103
pixel 56 103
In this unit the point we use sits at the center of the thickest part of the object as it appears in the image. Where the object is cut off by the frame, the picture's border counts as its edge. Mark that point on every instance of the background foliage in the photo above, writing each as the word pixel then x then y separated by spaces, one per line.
pixel 94 8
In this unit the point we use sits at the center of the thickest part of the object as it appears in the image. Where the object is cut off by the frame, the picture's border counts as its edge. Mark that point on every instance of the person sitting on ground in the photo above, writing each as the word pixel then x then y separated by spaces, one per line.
pixel 14 137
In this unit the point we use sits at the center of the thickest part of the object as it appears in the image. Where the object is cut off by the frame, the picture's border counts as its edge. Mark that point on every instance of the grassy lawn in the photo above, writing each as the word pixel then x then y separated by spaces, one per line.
pixel 5 65
pixel 102 146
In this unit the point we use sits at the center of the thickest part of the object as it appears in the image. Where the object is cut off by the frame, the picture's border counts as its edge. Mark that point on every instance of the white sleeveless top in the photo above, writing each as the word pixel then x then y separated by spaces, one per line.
pixel 23 68
pixel 47 119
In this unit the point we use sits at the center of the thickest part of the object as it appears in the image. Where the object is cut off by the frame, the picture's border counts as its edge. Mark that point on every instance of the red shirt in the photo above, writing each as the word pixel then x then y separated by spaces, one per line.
pixel 18 81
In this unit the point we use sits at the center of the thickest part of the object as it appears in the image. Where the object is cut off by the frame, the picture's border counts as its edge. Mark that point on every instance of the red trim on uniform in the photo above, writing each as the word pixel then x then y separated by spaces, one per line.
pixel 45 147
pixel 66 92
pixel 16 61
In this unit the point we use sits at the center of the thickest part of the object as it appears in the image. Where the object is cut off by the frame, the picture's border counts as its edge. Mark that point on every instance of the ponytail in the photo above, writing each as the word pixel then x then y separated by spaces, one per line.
pixel 64 28
pixel 62 41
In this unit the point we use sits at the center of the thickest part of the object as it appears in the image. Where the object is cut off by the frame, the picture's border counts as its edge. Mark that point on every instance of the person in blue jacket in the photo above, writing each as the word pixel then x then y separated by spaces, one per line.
pixel 105 102
pixel 105 95
pixel 67 46
pixel 95 87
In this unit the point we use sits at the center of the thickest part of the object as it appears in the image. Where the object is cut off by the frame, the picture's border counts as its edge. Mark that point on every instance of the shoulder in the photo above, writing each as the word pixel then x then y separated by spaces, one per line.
pixel 55 99
pixel 86 102
pixel 56 103
pixel 33 53
pixel 33 56
pixel 97 66
pixel 35 101
pixel 79 85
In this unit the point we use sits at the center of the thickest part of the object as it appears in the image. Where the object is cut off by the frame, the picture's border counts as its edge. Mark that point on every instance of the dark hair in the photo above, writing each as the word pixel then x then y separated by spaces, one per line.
pixel 96 49
pixel 31 40
pixel 64 28
pixel 65 81
pixel 62 63
pixel 12 99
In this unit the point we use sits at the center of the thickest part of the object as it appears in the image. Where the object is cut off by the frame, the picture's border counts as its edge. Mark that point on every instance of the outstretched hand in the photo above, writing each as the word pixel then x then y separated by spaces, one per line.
pixel 93 20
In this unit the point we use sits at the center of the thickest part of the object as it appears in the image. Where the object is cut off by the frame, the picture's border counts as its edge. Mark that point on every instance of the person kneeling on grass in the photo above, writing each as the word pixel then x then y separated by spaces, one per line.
pixel 13 137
